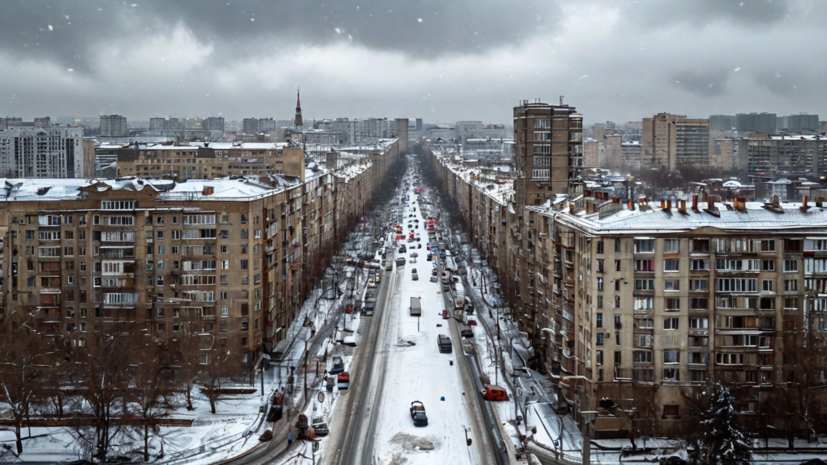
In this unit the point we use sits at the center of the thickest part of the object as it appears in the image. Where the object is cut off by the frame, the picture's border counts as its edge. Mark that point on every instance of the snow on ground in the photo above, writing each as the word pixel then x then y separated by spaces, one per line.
pixel 421 372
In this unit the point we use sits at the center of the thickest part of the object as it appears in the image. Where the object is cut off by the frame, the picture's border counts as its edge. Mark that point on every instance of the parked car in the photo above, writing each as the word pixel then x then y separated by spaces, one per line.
pixel 494 393
pixel 418 414
pixel 321 430
pixel 414 275
pixel 337 367
pixel 444 344
pixel 414 255
pixel 471 322
pixel 343 380
pixel 467 332
pixel 400 261
pixel 402 248
pixel 372 282
pixel 418 246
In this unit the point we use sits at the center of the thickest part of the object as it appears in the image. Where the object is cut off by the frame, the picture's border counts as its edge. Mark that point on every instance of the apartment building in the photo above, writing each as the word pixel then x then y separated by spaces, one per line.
pixel 210 160
pixel 671 141
pixel 113 126
pixel 548 151
pixel 51 151
pixel 641 303
pixel 229 260
pixel 770 157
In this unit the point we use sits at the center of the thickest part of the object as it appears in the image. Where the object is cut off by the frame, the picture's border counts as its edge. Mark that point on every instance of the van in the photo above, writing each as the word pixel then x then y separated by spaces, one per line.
pixel 494 393
pixel 444 344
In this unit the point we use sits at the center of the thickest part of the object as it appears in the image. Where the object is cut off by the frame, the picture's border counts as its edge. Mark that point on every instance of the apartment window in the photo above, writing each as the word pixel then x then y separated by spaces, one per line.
pixel 244 264
pixel 768 245
pixel 790 266
pixel 599 284
pixel 257 234
pixel 699 265
pixel 617 357
pixel 224 279
pixel 225 218
pixel 643 265
pixel 671 264
pixel 791 285
pixel 644 246
pixel 645 323
pixel 643 303
pixel 225 264
pixel 700 246
pixel 617 301
pixel 223 295
pixel 617 246
pixel 617 265
pixel 698 323
pixel 600 339
pixel 672 304
pixel 600 301
pixel 599 266
pixel 599 356
pixel 243 219
pixel 766 285
pixel 671 285
pixel 204 358
pixel 729 359
pixel 644 284
pixel 642 356
pixel 600 247
pixel 225 310
pixel 767 265
pixel 671 374
pixel 244 234
pixel 617 284
pixel 671 323
pixel 698 303
pixel 643 340
pixel 599 320
pixel 698 285
pixel 671 245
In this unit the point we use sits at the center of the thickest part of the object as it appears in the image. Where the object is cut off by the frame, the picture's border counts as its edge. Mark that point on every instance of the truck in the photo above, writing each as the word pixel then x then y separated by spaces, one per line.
pixel 416 306
pixel 459 296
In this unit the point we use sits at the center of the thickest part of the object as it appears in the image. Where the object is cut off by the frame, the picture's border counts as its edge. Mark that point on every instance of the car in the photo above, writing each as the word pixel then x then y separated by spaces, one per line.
pixel 444 343
pixel 414 255
pixel 414 275
pixel 403 249
pixel 467 332
pixel 349 341
pixel 321 430
pixel 468 347
pixel 372 282
pixel 472 322
pixel 400 261
pixel 343 381
pixel 418 246
pixel 418 413
pixel 494 393
pixel 338 366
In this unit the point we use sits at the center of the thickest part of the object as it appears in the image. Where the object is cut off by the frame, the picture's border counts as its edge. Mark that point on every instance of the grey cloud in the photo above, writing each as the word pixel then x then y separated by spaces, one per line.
pixel 748 13
pixel 709 83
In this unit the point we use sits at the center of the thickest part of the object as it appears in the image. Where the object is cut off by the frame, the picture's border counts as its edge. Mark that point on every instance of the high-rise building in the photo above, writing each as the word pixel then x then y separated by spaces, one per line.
pixel 548 151
pixel 799 123
pixel 113 126
pixel 213 123
pixel 42 152
pixel 721 122
pixel 249 126
pixel 157 123
pixel 630 156
pixel 769 157
pixel 402 133
pixel 419 125
pixel 297 121
pixel 756 122
pixel 267 125
pixel 671 141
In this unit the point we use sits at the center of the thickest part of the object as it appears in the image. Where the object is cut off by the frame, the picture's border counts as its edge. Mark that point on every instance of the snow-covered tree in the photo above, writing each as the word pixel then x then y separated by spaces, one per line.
pixel 716 433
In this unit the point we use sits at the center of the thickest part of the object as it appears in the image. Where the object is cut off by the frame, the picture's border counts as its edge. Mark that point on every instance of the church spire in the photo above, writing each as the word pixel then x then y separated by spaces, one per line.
pixel 298 120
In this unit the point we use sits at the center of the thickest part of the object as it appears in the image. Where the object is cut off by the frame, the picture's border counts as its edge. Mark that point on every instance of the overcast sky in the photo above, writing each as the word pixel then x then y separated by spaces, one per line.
pixel 442 60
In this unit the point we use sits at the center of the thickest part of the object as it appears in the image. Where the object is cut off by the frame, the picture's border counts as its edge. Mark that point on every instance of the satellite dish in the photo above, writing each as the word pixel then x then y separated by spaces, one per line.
pixel 567 352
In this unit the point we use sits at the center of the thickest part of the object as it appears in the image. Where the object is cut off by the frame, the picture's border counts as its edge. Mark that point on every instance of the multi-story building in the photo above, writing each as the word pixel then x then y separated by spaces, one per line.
pixel 113 126
pixel 671 141
pixel 801 122
pixel 402 133
pixel 231 260
pixel 548 150
pixel 722 122
pixel 44 152
pixel 213 123
pixel 756 122
pixel 630 153
pixel 642 303
pixel 249 126
pixel 770 157
pixel 210 160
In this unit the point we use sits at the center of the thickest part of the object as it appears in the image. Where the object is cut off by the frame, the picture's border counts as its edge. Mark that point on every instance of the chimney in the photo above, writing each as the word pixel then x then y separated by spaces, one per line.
pixel 571 208
pixel 710 199
pixel 819 202
pixel 615 200
pixel 668 204
pixel 775 202
pixel 208 190
pixel 682 206
pixel 631 205
pixel 663 204
pixel 694 202
pixel 804 205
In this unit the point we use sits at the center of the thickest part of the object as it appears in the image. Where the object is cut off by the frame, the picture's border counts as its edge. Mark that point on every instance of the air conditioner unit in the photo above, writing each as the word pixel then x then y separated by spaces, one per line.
pixel 543 235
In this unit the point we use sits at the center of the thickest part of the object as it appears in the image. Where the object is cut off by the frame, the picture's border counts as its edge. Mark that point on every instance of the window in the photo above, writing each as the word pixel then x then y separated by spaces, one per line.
pixel 644 265
pixel 644 246
pixel 244 234
pixel 600 247
pixel 224 279
pixel 700 246
pixel 698 323
pixel 729 359
pixel 600 339
pixel 672 304
pixel 642 356
pixel 643 340
pixel 671 374
pixel 617 301
pixel 617 357
pixel 204 358
pixel 766 285
pixel 599 320
pixel 643 303
pixel 768 245
pixel 117 205
pixel 698 285
pixel 671 264
pixel 617 245
pixel 671 245
pixel 617 265
pixel 244 264
pixel 698 303
pixel 225 310
pixel 671 285
pixel 699 265
pixel 645 323
pixel 736 285
pixel 791 285
pixel 599 355
pixel 671 322
pixel 617 284
pixel 600 301
pixel 767 265
pixel 644 284
pixel 599 284
pixel 790 266
pixel 223 295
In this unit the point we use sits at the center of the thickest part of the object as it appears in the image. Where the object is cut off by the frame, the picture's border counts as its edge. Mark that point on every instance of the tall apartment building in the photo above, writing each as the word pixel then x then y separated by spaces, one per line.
pixel 249 126
pixel 113 126
pixel 630 153
pixel 642 303
pixel 722 122
pixel 44 152
pixel 227 260
pixel 770 157
pixel 267 125
pixel 402 133
pixel 801 122
pixel 210 160
pixel 213 123
pixel 671 141
pixel 548 150
pixel 756 122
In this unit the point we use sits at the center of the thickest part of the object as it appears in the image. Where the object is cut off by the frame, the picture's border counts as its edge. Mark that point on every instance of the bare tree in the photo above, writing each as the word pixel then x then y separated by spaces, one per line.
pixel 103 375
pixel 20 377
pixel 151 392
pixel 217 368
pixel 187 353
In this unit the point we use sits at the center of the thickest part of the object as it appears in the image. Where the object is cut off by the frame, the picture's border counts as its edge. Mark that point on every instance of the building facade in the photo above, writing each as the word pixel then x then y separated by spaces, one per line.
pixel 671 141
pixel 756 122
pixel 44 152
pixel 113 126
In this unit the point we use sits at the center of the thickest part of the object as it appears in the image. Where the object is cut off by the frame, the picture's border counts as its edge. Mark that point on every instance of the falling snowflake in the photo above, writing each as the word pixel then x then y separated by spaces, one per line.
pixel 737 69
pixel 71 70
pixel 419 19
pixel 50 27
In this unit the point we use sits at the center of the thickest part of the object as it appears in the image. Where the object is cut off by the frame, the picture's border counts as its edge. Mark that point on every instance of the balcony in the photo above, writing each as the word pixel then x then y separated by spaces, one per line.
pixel 49 300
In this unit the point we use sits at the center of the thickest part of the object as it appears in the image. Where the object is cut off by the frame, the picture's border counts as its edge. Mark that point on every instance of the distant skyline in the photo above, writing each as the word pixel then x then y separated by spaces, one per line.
pixel 441 61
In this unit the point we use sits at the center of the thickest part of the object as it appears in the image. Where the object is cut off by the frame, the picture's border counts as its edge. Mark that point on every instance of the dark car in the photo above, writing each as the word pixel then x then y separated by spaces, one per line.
pixel 403 249
pixel 321 430
pixel 338 366
pixel 467 332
